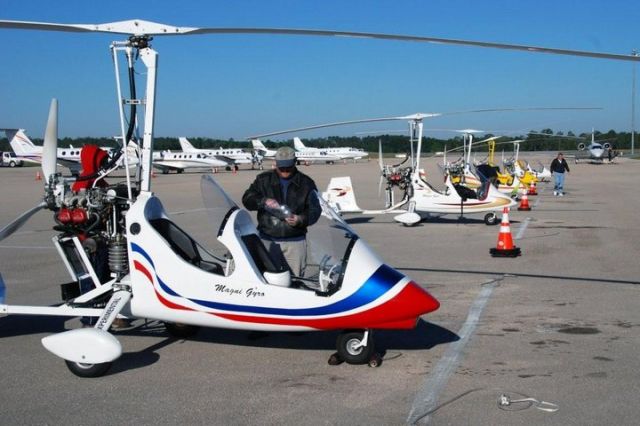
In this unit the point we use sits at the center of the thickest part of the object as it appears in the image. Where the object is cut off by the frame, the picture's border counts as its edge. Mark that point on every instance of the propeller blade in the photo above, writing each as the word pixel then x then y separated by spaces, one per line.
pixel 19 221
pixel 380 163
pixel 50 145
pixel 380 185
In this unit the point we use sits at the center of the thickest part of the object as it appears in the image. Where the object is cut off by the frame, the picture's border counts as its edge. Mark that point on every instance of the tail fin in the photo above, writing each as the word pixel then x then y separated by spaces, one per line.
pixel 186 145
pixel 341 196
pixel 257 144
pixel 20 142
pixel 298 145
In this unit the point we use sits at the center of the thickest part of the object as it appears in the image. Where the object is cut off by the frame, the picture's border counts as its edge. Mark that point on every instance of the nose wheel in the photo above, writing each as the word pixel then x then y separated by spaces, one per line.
pixel 356 347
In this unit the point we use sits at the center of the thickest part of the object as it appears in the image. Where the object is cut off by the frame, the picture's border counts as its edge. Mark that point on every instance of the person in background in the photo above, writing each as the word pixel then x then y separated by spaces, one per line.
pixel 558 167
pixel 287 203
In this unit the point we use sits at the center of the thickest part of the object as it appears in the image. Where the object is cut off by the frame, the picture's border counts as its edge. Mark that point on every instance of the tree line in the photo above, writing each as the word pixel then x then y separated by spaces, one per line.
pixel 543 140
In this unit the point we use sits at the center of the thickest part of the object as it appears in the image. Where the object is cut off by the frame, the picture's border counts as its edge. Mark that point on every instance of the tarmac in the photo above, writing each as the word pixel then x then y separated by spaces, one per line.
pixel 559 324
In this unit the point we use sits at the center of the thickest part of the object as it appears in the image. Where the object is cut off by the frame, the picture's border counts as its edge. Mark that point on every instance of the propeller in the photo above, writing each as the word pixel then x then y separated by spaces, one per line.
pixel 49 160
pixel 50 145
pixel 20 220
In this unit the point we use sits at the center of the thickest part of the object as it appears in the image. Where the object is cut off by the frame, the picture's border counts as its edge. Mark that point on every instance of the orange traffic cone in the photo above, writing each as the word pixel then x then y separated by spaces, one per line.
pixel 38 175
pixel 532 189
pixel 505 247
pixel 524 203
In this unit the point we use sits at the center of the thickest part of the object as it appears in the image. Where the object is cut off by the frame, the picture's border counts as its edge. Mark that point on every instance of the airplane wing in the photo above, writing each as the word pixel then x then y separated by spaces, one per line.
pixel 224 158
pixel 73 166
pixel 167 167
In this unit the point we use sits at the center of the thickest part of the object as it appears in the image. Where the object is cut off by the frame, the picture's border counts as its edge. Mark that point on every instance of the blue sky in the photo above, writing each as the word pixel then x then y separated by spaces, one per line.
pixel 236 86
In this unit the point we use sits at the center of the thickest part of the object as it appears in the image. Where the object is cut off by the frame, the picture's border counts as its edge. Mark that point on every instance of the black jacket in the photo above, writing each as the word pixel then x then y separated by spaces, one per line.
pixel 559 167
pixel 301 199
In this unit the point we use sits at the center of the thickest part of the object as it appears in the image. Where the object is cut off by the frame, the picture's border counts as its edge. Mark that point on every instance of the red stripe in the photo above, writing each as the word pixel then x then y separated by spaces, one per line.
pixel 162 300
pixel 401 312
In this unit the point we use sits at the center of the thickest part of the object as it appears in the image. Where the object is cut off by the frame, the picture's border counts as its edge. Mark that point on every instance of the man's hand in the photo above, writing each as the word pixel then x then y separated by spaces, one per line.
pixel 294 220
pixel 271 203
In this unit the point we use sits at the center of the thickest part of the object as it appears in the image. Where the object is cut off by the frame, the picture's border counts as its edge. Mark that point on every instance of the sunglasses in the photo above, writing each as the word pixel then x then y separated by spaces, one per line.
pixel 286 169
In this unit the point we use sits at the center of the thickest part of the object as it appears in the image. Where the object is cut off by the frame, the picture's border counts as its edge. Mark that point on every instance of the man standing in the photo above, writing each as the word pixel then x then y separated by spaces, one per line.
pixel 287 203
pixel 558 167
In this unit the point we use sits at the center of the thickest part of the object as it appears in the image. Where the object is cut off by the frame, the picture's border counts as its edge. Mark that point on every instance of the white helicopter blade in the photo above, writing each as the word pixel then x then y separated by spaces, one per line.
pixel 416 117
pixel 50 145
pixel 142 27
pixel 20 220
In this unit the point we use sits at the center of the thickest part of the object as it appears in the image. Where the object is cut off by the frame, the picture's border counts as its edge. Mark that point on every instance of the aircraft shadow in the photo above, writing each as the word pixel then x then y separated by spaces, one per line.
pixel 425 336
pixel 20 325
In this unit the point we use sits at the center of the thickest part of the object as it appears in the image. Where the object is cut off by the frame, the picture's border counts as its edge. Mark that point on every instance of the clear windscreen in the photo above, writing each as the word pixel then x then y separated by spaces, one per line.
pixel 328 241
pixel 216 202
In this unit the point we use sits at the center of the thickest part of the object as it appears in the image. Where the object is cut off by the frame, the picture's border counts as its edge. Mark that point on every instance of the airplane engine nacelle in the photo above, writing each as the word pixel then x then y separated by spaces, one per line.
pixel 581 146
pixel 606 145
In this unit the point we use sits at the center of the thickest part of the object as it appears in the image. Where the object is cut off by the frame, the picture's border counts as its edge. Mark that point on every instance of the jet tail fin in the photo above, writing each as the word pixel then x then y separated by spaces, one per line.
pixel 20 142
pixel 298 145
pixel 341 196
pixel 257 144
pixel 185 144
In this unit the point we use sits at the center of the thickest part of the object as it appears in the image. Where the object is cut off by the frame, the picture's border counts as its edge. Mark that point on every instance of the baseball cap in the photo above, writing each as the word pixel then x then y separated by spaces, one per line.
pixel 285 157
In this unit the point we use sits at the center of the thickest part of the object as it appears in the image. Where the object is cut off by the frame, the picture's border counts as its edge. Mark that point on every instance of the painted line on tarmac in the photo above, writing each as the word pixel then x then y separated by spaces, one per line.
pixel 523 228
pixel 425 402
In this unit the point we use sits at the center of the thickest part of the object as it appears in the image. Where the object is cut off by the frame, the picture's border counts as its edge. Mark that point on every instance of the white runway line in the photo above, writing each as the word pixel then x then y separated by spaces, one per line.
pixel 524 225
pixel 523 228
pixel 426 400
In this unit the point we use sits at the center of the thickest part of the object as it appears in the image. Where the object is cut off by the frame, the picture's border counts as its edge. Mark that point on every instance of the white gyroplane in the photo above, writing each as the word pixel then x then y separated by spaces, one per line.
pixel 419 198
pixel 149 256
pixel 155 270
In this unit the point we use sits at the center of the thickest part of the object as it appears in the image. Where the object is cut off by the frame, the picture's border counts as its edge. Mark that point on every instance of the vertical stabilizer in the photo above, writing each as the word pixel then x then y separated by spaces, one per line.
pixel 298 145
pixel 186 145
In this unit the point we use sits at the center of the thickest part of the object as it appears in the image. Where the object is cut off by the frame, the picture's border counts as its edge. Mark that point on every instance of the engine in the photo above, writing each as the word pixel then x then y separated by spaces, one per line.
pixel 96 216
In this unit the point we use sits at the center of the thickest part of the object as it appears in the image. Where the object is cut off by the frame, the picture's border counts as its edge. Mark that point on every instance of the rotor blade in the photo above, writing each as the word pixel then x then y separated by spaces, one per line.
pixel 142 27
pixel 337 123
pixel 19 221
pixel 418 117
pixel 50 145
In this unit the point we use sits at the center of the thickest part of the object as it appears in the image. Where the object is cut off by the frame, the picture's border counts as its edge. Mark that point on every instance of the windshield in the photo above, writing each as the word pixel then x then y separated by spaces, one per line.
pixel 329 242
pixel 216 202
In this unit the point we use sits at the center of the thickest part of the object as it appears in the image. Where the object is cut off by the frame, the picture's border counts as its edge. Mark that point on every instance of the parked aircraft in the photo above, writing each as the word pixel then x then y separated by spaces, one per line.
pixel 344 153
pixel 263 153
pixel 167 161
pixel 29 152
pixel 235 155
pixel 595 152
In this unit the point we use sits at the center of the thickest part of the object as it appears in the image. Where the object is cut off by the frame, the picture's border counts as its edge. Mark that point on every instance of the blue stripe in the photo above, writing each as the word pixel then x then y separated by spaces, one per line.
pixel 137 248
pixel 376 285
pixel 381 281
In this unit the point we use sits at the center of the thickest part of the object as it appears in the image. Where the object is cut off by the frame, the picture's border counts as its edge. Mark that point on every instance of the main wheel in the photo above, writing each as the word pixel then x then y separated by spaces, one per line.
pixel 350 349
pixel 12 163
pixel 490 219
pixel 88 370
pixel 181 331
